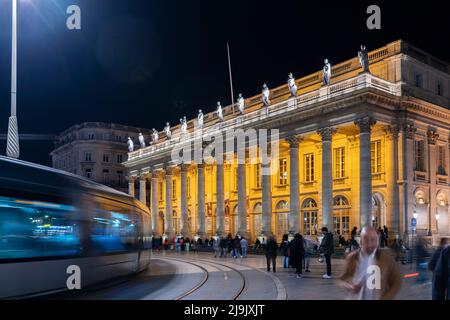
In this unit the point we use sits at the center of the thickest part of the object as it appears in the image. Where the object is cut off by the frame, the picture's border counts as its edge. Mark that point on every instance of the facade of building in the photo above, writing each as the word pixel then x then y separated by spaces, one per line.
pixel 366 148
pixel 96 150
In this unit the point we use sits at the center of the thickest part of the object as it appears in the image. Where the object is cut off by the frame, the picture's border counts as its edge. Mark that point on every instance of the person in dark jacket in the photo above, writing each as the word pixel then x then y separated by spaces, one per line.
pixel 437 254
pixel 297 253
pixel 441 276
pixel 327 248
pixel 271 253
pixel 284 249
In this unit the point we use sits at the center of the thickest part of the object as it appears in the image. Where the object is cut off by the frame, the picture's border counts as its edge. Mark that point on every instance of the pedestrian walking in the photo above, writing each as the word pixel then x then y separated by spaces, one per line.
pixel 422 255
pixel 358 277
pixel 216 248
pixel 327 248
pixel 223 247
pixel 244 247
pixel 284 250
pixel 441 276
pixel 187 244
pixel 297 249
pixel 236 245
pixel 310 246
pixel 271 248
pixel 386 235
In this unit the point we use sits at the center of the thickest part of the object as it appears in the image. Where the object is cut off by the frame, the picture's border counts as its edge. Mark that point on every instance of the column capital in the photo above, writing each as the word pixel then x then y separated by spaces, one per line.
pixel 293 141
pixel 168 170
pixel 391 132
pixel 409 130
pixel 185 167
pixel 432 136
pixel 326 133
pixel 365 124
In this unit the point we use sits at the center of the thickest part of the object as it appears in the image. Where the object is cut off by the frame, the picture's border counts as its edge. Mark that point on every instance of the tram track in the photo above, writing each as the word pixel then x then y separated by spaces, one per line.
pixel 224 268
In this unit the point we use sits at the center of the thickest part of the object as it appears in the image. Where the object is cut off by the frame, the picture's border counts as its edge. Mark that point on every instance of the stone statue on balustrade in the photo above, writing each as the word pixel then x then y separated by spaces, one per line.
pixel 141 140
pixel 155 136
pixel 219 111
pixel 364 58
pixel 241 103
pixel 130 145
pixel 183 128
pixel 265 95
pixel 326 72
pixel 292 86
pixel 200 118
pixel 167 131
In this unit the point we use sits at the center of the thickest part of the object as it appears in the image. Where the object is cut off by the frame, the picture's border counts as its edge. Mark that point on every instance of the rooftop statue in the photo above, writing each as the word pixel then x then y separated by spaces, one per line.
pixel 241 103
pixel 265 95
pixel 167 131
pixel 219 111
pixel 200 118
pixel 155 136
pixel 364 58
pixel 326 72
pixel 141 140
pixel 130 145
pixel 183 126
pixel 292 86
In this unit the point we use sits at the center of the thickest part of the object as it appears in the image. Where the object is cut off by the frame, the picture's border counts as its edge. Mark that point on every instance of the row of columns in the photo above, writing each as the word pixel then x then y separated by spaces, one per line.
pixel 326 134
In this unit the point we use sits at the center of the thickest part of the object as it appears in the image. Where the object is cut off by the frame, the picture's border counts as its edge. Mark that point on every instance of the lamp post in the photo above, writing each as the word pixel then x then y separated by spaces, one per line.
pixel 12 144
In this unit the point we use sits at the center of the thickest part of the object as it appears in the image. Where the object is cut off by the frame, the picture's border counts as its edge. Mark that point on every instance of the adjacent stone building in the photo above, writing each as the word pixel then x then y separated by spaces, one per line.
pixel 96 150
pixel 367 148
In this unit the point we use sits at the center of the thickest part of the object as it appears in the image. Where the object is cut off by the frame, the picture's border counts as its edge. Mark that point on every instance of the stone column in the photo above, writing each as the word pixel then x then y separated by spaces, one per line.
pixel 432 163
pixel 143 189
pixel 169 210
pixel 220 210
pixel 242 196
pixel 327 178
pixel 393 210
pixel 131 188
pixel 365 168
pixel 266 200
pixel 201 219
pixel 155 213
pixel 294 195
pixel 183 206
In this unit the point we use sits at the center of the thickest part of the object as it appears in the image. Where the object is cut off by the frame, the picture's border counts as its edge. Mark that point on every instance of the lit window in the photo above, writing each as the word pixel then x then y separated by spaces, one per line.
pixel 258 175
pixel 375 156
pixel 339 162
pixel 282 173
pixel 309 167
pixel 441 161
pixel 174 189
pixel 420 155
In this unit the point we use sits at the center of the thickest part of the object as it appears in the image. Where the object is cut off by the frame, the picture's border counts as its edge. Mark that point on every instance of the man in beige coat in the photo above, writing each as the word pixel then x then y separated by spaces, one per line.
pixel 370 273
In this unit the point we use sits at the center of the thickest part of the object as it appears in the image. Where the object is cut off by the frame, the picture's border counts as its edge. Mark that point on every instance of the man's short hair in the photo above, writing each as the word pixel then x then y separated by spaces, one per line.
pixel 325 229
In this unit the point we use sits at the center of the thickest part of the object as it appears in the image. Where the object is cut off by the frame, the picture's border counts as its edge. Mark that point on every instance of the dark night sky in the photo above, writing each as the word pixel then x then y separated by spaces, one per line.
pixel 145 62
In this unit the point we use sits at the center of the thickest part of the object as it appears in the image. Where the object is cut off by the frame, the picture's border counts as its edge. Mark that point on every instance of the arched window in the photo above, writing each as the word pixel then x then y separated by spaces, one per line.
pixel 175 222
pixel 257 218
pixel 341 215
pixel 309 210
pixel 339 201
pixel 282 215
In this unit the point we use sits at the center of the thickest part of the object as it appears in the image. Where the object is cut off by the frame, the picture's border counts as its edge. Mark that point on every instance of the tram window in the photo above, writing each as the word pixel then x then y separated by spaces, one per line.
pixel 34 229
pixel 114 229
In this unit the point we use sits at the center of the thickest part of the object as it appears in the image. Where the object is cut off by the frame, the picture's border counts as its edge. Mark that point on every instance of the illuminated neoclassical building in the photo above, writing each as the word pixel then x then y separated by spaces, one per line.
pixel 366 148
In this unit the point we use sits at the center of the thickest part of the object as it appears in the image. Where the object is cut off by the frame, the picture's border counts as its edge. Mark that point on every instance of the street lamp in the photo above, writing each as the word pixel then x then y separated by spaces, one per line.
pixel 12 144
